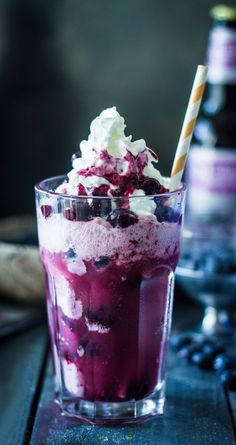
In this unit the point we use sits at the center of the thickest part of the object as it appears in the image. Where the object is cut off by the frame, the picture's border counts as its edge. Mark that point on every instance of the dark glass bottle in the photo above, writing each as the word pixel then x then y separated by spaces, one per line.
pixel 211 167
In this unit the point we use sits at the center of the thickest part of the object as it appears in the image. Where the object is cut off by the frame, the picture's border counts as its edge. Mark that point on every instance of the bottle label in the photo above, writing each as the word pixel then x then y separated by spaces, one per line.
pixel 211 177
pixel 221 56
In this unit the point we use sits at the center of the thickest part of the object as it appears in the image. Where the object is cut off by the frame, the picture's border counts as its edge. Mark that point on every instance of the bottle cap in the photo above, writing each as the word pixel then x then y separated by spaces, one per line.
pixel 223 12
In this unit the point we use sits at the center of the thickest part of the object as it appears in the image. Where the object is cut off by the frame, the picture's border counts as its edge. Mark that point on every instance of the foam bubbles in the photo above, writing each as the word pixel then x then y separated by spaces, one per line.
pixel 96 238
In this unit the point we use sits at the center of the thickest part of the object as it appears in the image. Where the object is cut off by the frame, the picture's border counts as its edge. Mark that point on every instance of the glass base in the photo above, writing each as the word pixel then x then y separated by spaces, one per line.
pixel 107 413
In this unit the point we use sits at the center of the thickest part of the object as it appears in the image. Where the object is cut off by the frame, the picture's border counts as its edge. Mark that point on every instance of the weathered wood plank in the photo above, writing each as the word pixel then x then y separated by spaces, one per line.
pixel 196 414
pixel 21 358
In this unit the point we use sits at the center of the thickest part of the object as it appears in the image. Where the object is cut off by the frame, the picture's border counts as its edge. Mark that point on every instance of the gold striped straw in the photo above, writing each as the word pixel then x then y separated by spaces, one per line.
pixel 188 127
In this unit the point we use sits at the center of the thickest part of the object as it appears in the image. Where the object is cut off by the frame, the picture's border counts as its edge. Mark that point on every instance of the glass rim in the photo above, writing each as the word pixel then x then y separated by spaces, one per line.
pixel 40 187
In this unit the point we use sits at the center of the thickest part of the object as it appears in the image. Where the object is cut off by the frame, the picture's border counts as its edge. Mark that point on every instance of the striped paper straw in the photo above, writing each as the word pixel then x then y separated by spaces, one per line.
pixel 188 127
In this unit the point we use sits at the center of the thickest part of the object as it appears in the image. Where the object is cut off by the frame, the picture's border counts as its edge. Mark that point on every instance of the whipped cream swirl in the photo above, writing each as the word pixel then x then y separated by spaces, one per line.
pixel 110 161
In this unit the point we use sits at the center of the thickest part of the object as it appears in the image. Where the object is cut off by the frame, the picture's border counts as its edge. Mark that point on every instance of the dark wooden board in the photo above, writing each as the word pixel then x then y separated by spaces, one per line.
pixel 196 414
pixel 21 360
pixel 232 405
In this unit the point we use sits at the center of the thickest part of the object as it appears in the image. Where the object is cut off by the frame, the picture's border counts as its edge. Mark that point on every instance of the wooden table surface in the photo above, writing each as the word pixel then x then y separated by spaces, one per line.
pixel 198 411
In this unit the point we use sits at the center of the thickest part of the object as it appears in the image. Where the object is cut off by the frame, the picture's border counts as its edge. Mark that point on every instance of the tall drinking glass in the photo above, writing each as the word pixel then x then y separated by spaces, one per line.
pixel 109 286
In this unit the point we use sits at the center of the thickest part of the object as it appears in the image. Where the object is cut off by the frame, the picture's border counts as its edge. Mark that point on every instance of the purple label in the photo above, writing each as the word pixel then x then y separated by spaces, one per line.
pixel 221 56
pixel 212 170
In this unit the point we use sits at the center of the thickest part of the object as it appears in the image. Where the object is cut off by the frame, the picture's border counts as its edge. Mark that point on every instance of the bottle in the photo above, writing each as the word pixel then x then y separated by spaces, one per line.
pixel 211 167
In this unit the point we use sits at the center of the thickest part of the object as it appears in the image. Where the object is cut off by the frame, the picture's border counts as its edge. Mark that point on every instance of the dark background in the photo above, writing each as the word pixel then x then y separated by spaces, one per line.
pixel 63 61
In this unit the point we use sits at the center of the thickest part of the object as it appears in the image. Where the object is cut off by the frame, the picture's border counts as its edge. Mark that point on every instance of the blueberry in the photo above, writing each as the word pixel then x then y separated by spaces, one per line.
pixel 222 362
pixel 212 348
pixel 99 316
pixel 122 218
pixel 46 210
pixel 102 262
pixel 179 341
pixel 80 211
pixel 184 351
pixel 84 212
pixel 228 379
pixel 202 359
pixel 70 214
pixel 70 356
pixel 70 254
pixel 187 350
pixel 100 207
pixel 150 186
pixel 101 191
pixel 165 213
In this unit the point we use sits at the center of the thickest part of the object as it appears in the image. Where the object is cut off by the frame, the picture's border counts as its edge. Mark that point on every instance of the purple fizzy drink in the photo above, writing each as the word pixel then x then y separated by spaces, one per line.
pixel 109 251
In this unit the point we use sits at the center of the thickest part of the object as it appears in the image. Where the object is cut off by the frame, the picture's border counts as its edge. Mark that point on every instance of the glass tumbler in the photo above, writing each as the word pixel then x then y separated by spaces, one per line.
pixel 109 266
